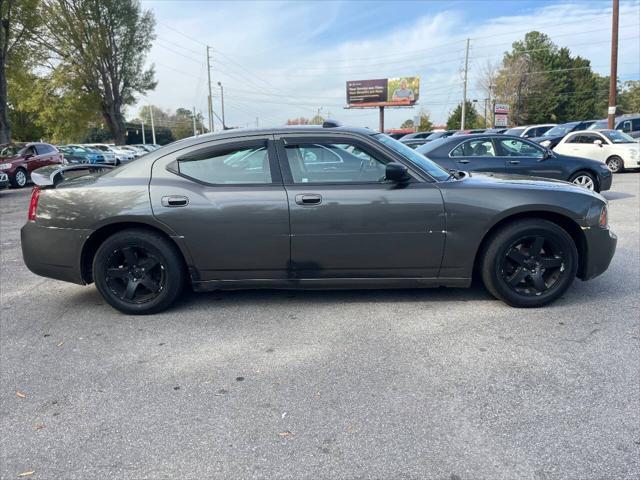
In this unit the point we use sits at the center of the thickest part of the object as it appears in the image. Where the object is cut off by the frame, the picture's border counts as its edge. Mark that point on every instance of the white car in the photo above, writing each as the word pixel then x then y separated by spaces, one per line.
pixel 138 152
pixel 121 155
pixel 617 149
pixel 530 131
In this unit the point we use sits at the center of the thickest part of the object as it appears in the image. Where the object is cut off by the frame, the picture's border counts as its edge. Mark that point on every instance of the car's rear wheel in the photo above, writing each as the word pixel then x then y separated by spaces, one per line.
pixel 585 180
pixel 138 271
pixel 615 164
pixel 19 178
pixel 529 263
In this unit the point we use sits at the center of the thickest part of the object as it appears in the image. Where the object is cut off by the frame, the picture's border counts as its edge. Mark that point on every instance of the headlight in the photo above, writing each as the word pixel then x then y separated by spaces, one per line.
pixel 5 166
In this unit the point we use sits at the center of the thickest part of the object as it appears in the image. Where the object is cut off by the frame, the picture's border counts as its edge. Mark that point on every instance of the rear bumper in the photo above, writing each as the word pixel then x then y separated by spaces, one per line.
pixel 53 252
pixel 601 246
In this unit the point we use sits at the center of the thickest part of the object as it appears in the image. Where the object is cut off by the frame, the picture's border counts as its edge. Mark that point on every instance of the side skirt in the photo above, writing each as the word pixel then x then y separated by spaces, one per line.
pixel 329 283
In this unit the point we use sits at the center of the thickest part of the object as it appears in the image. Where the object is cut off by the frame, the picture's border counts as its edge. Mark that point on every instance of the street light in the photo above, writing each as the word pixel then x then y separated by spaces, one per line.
pixel 224 125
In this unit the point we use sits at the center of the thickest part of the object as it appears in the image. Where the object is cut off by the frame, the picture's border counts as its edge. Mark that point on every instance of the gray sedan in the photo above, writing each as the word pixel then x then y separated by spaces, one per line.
pixel 309 207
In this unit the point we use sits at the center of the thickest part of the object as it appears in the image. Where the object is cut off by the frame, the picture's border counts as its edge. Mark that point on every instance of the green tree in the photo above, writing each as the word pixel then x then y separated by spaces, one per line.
pixel 103 45
pixel 472 118
pixel 19 27
pixel 629 97
pixel 408 123
pixel 424 124
pixel 543 82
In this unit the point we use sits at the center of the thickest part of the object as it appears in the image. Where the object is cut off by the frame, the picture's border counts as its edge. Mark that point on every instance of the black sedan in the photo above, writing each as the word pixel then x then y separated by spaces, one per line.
pixel 307 207
pixel 551 138
pixel 517 156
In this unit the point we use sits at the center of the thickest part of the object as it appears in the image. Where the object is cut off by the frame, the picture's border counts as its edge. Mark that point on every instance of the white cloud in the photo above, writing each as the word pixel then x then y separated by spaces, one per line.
pixel 275 60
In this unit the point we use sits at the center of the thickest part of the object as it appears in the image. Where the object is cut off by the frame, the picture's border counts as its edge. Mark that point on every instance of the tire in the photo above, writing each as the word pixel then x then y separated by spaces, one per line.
pixel 20 178
pixel 522 270
pixel 586 180
pixel 138 272
pixel 615 164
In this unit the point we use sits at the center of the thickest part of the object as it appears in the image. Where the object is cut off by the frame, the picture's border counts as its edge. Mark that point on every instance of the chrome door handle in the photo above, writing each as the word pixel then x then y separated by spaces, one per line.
pixel 175 201
pixel 308 199
pixel 463 161
pixel 514 162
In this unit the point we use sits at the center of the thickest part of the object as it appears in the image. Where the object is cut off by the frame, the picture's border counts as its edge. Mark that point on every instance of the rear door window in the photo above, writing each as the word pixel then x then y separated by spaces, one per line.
pixel 474 148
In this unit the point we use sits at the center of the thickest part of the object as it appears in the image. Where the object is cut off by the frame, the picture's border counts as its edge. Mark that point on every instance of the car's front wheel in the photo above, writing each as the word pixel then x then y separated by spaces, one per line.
pixel 138 271
pixel 20 178
pixel 529 263
pixel 585 180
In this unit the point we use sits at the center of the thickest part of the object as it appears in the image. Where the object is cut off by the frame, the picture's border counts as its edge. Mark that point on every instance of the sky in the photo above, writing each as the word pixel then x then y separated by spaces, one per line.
pixel 283 60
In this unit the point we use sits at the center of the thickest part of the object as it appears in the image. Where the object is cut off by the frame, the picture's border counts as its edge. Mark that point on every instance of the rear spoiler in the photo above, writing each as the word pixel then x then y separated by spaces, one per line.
pixel 52 175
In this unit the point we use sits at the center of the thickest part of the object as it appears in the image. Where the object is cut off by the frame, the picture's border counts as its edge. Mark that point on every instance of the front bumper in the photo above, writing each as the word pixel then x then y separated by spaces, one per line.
pixel 4 180
pixel 605 180
pixel 53 252
pixel 600 248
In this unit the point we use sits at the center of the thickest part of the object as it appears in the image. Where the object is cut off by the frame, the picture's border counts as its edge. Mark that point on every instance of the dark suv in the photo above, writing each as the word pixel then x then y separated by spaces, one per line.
pixel 18 160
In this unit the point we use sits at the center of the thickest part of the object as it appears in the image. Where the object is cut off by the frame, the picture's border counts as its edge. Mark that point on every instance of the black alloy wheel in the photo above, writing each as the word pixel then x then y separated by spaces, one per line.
pixel 139 271
pixel 529 262
pixel 532 265
pixel 134 274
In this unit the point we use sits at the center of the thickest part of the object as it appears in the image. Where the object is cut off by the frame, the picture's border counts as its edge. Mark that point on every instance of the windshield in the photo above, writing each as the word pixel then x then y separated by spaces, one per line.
pixel 12 150
pixel 421 161
pixel 560 129
pixel 618 137
pixel 515 131
pixel 598 125
pixel 435 135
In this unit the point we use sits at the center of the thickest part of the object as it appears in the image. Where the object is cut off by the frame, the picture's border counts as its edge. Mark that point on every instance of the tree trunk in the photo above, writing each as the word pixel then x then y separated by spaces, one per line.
pixel 115 123
pixel 5 126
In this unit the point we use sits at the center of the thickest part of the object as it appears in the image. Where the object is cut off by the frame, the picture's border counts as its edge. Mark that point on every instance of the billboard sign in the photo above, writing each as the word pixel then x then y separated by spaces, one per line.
pixel 383 92
pixel 501 108
pixel 501 120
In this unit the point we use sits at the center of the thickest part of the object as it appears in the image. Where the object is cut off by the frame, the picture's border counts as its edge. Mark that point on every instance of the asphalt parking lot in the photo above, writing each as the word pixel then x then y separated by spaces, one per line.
pixel 430 384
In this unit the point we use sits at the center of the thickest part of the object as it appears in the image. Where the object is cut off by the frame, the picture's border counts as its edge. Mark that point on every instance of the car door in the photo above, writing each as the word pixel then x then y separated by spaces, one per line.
pixel 44 156
pixel 225 198
pixel 583 145
pixel 347 221
pixel 524 157
pixel 476 155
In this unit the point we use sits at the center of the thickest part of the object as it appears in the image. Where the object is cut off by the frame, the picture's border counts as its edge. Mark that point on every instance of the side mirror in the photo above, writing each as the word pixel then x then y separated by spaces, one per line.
pixel 598 142
pixel 396 172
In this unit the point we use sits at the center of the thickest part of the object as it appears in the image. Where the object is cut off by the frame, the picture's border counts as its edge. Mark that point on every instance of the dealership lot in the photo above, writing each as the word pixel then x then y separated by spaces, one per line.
pixel 443 383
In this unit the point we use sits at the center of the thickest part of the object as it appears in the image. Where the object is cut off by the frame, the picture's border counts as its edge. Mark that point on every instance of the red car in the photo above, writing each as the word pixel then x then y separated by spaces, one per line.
pixel 18 160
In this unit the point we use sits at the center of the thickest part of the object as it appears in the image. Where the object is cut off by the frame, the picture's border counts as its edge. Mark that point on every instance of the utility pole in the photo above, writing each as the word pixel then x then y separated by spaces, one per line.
pixel 143 138
pixel 257 122
pixel 464 89
pixel 613 78
pixel 224 125
pixel 195 132
pixel 210 99
pixel 153 128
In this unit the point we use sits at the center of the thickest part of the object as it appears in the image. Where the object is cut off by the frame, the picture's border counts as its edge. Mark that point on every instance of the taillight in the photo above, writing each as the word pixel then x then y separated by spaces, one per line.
pixel 603 220
pixel 33 204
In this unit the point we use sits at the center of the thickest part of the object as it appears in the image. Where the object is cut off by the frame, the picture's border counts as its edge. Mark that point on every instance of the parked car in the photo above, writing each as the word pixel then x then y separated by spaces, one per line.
pixel 18 160
pixel 119 155
pixel 282 215
pixel 440 134
pixel 617 149
pixel 146 146
pixel 530 131
pixel 470 132
pixel 518 156
pixel 415 135
pixel 552 137
pixel 137 152
pixel 414 142
pixel 629 124
pixel 79 154
pixel 497 130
